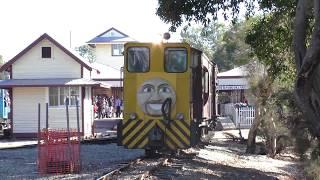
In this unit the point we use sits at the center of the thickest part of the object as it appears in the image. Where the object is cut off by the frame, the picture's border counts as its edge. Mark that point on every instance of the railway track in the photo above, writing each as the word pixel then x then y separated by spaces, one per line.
pixel 118 169
pixel 162 167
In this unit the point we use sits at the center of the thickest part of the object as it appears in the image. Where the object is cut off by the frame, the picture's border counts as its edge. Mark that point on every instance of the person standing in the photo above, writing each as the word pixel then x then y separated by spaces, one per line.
pixel 110 103
pixel 118 105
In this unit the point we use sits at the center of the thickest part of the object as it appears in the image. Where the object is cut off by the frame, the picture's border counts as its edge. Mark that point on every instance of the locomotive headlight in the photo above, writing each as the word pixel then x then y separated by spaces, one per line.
pixel 180 116
pixel 133 116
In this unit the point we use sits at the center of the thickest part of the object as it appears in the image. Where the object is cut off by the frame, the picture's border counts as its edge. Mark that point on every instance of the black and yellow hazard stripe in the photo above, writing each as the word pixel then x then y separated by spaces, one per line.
pixel 140 137
pixel 177 135
pixel 135 133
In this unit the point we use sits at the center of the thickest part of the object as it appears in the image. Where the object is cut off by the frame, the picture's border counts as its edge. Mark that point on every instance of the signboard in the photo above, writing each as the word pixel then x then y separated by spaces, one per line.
pixel 231 87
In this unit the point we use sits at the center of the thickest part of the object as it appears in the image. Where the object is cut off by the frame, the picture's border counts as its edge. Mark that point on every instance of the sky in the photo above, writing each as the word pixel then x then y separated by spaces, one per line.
pixel 23 21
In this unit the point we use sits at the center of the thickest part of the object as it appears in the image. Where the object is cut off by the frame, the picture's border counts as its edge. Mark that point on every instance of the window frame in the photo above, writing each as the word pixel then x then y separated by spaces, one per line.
pixel 165 59
pixel 42 52
pixel 68 94
pixel 206 80
pixel 120 53
pixel 127 59
pixel 205 84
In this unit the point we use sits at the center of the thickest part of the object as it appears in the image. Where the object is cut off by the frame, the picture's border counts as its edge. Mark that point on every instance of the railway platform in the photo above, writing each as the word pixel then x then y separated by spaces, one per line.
pixel 11 144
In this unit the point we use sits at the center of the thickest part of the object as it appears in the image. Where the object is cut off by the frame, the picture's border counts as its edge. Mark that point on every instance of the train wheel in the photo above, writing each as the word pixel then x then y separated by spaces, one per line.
pixel 7 133
pixel 150 153
pixel 174 152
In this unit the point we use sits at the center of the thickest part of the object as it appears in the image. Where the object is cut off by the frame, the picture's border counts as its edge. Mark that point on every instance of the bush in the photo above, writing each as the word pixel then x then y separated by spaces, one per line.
pixel 313 169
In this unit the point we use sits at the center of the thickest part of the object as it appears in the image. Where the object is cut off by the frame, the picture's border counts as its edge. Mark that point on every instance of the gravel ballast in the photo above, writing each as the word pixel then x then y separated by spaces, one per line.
pixel 20 163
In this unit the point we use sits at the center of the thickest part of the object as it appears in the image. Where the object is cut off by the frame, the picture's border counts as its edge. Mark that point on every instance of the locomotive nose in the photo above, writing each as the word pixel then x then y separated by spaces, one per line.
pixel 152 94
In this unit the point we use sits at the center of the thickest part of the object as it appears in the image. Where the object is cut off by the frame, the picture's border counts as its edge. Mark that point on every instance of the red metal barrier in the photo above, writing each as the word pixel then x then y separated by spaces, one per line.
pixel 56 154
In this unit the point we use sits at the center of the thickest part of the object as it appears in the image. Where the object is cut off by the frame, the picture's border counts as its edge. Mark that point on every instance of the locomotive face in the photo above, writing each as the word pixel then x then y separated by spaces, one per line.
pixel 151 95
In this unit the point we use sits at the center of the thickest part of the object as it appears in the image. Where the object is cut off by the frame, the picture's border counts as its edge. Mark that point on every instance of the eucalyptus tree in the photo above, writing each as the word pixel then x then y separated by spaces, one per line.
pixel 223 44
pixel 86 52
pixel 305 40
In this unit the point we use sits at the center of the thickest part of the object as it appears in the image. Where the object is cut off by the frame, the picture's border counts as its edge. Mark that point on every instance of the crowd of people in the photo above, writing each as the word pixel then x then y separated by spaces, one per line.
pixel 107 107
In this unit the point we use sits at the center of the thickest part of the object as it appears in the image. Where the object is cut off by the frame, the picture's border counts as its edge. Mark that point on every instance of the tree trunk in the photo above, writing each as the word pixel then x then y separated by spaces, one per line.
pixel 251 144
pixel 272 149
pixel 307 88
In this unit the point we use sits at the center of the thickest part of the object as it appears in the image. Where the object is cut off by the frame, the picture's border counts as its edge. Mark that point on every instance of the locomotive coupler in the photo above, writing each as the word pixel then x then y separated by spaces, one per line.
pixel 166 111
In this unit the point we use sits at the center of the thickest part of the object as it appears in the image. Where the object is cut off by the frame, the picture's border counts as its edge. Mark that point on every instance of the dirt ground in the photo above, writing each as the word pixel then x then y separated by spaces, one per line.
pixel 223 158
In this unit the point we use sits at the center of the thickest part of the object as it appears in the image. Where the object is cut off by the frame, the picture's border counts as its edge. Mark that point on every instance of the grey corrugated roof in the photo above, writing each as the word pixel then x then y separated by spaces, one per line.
pixel 50 82
pixel 238 71
pixel 101 39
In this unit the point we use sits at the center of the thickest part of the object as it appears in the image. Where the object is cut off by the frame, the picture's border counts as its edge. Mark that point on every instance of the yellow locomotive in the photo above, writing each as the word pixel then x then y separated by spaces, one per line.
pixel 169 96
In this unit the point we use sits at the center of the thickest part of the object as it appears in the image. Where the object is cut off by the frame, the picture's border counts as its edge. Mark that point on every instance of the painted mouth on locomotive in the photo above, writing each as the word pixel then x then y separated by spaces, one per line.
pixel 152 94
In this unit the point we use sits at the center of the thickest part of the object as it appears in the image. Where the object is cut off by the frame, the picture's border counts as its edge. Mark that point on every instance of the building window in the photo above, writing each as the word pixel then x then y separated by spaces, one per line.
pixel 46 52
pixel 117 49
pixel 58 96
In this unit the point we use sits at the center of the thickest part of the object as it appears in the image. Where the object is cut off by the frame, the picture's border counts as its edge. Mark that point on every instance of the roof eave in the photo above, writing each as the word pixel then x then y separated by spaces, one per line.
pixel 34 43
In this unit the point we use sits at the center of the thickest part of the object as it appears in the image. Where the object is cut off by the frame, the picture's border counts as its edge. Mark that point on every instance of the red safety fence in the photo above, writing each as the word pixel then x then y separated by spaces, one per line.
pixel 56 154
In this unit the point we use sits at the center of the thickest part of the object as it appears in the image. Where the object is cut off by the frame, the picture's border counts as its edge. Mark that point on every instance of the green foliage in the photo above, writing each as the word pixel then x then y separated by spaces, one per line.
pixel 279 115
pixel 313 169
pixel 203 11
pixel 86 52
pixel 226 47
pixel 275 113
pixel 273 47
pixel 204 38
pixel 270 37
pixel 232 50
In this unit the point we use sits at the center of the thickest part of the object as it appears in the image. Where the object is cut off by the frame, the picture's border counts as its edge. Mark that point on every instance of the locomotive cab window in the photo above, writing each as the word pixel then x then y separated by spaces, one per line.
pixel 138 59
pixel 175 60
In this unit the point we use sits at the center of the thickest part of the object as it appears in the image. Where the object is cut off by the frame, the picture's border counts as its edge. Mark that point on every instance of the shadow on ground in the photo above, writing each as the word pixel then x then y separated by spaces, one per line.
pixel 193 170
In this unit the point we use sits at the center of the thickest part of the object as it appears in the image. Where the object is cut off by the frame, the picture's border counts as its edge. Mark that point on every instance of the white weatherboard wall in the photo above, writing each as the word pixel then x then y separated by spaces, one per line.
pixel 25 109
pixel 87 73
pixel 32 66
pixel 58 117
pixel 104 56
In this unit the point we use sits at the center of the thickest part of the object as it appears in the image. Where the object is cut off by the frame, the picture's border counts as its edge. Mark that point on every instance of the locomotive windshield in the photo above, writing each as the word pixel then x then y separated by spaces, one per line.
pixel 176 60
pixel 138 59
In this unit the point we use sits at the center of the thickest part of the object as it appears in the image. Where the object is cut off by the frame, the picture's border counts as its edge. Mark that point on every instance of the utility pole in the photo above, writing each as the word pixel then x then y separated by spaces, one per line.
pixel 70 39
